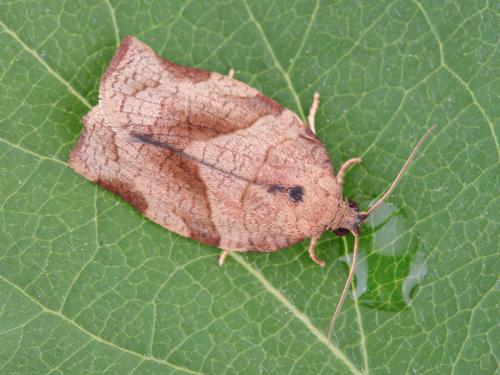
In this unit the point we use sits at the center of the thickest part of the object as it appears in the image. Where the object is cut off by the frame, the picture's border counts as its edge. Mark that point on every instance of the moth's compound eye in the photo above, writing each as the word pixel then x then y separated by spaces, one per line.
pixel 353 205
pixel 341 232
pixel 296 193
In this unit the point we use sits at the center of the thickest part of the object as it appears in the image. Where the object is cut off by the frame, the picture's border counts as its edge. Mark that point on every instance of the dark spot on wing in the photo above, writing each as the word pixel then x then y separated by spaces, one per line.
pixel 276 188
pixel 295 193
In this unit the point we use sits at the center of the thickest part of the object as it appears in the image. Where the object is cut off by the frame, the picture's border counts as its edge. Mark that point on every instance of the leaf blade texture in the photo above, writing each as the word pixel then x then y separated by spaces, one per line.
pixel 88 285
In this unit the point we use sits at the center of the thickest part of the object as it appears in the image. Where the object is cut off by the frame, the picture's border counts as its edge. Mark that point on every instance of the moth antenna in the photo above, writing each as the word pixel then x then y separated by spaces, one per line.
pixel 346 285
pixel 400 174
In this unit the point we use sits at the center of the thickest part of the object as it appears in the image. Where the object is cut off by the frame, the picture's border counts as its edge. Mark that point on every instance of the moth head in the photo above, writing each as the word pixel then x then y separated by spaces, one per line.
pixel 352 220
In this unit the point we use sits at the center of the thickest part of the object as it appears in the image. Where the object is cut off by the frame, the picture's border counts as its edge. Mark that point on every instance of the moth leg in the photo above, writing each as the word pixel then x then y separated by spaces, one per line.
pixel 312 112
pixel 222 257
pixel 230 74
pixel 312 254
pixel 344 167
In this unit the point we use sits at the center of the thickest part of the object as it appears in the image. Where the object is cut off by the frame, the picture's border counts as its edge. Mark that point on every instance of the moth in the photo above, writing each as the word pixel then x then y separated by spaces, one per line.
pixel 213 159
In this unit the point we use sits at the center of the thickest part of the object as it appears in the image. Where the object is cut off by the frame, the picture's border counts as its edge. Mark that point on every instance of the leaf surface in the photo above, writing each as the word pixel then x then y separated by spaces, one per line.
pixel 89 286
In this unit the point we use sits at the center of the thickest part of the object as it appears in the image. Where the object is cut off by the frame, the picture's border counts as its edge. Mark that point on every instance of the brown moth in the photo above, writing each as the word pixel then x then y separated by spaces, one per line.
pixel 211 158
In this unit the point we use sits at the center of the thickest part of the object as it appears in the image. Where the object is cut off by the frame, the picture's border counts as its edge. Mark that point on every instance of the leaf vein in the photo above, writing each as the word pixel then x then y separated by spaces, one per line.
pixel 362 336
pixel 286 76
pixel 49 69
pixel 113 20
pixel 89 333
pixel 297 313
pixel 457 77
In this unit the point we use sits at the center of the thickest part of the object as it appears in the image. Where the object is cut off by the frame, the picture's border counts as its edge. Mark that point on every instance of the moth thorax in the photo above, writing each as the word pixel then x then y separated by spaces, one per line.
pixel 347 218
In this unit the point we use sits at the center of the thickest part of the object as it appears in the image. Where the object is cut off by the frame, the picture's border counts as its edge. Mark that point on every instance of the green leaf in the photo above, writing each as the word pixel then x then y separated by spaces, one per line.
pixel 87 285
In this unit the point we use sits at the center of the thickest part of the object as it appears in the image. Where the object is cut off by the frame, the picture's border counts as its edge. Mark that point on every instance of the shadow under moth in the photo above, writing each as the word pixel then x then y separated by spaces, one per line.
pixel 211 158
